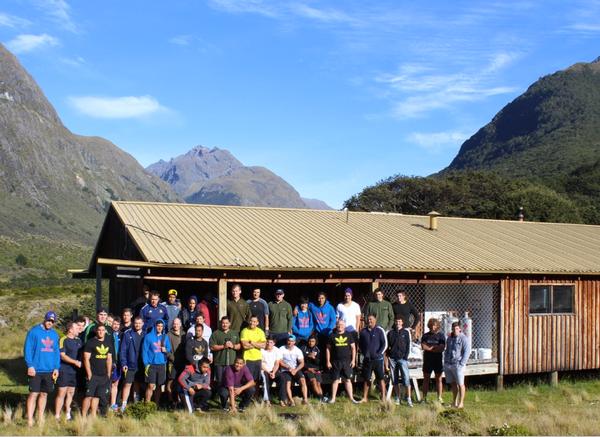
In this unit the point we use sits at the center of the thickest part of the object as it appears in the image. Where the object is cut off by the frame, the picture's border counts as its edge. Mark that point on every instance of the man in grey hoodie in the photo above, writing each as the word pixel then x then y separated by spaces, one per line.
pixel 458 349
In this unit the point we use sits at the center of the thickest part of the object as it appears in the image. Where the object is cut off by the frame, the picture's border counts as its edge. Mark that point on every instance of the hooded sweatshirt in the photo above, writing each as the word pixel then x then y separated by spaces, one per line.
pixel 131 345
pixel 191 377
pixel 42 350
pixel 302 324
pixel 324 317
pixel 151 346
pixel 458 349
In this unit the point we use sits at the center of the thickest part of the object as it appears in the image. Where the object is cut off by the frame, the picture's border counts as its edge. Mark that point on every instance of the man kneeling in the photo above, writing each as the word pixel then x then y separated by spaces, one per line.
pixel 195 382
pixel 237 381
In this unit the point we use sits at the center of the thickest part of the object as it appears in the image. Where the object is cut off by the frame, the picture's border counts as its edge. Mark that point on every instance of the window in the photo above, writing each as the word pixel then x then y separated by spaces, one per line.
pixel 550 299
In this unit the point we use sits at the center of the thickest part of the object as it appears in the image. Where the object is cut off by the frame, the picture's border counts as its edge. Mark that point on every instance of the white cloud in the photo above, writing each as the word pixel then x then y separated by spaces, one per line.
pixel 13 21
pixel 246 6
pixel 117 107
pixel 323 15
pixel 181 40
pixel 60 12
pixel 27 43
pixel 417 89
pixel 73 62
pixel 438 141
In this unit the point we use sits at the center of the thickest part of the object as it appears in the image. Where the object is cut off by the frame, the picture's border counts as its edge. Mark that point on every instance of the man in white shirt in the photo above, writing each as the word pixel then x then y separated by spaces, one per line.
pixel 349 312
pixel 207 329
pixel 270 367
pixel 291 364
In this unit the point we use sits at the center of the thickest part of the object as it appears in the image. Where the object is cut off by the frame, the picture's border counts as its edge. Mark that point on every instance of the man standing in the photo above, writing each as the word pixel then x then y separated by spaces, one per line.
pixel 173 307
pixel 223 344
pixel 349 312
pixel 291 364
pixel 101 319
pixel 196 347
pixel 189 313
pixel 456 355
pixel 155 347
pixel 131 361
pixel 253 340
pixel 153 312
pixel 433 343
pixel 260 309
pixel 126 319
pixel 373 344
pixel 97 361
pixel 280 318
pixel 206 331
pixel 397 359
pixel 382 310
pixel 237 381
pixel 42 357
pixel 340 359
pixel 404 309
pixel 141 301
pixel 324 317
pixel 175 359
pixel 238 310
pixel 70 364
pixel 302 323
pixel 115 375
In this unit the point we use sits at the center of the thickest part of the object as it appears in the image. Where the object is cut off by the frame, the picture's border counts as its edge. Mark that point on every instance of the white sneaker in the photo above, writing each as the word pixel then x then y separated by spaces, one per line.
pixel 409 402
pixel 397 401
pixel 331 401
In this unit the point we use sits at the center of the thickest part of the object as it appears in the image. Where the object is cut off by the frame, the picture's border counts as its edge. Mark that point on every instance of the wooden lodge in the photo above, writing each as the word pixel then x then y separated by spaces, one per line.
pixel 531 289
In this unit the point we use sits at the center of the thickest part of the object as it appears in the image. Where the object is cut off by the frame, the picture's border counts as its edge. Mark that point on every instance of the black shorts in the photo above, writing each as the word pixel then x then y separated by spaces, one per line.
pixel 436 366
pixel 370 366
pixel 341 369
pixel 287 376
pixel 67 379
pixel 41 383
pixel 313 375
pixel 134 376
pixel 254 367
pixel 98 387
pixel 157 374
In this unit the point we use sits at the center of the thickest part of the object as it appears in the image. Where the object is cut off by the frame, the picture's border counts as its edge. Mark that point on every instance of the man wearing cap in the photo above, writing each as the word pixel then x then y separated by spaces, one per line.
pixel 259 308
pixel 42 357
pixel 238 310
pixel 280 318
pixel 101 319
pixel 153 312
pixel 290 365
pixel 173 307
pixel 189 313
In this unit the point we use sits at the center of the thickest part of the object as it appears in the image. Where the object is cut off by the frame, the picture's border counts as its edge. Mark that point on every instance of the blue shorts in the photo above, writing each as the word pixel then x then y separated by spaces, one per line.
pixel 399 371
pixel 454 373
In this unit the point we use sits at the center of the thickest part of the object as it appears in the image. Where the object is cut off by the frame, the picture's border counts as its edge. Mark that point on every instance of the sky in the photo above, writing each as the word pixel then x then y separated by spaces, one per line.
pixel 333 96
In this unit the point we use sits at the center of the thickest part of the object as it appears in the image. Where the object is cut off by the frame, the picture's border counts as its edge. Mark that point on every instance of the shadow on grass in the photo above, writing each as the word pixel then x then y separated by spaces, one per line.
pixel 12 398
pixel 15 370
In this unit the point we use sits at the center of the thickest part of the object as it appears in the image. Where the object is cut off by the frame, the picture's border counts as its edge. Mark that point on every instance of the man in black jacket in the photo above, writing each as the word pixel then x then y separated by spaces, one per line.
pixel 404 309
pixel 397 359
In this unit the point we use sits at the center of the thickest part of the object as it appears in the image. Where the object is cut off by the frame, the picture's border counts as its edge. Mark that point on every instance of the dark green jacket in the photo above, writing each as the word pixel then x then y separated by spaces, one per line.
pixel 238 313
pixel 223 357
pixel 383 311
pixel 280 317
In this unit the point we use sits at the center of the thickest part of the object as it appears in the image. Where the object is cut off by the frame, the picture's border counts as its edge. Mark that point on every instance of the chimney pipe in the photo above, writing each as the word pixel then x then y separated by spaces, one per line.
pixel 347 214
pixel 433 220
pixel 521 215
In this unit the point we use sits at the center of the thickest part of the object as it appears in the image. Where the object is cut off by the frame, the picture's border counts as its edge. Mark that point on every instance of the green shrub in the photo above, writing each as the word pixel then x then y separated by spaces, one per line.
pixel 21 260
pixel 506 429
pixel 140 410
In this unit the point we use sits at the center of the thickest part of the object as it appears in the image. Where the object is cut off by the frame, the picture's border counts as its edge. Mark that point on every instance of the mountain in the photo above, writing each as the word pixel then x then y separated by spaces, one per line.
pixel 215 176
pixel 316 204
pixel 541 152
pixel 545 134
pixel 54 183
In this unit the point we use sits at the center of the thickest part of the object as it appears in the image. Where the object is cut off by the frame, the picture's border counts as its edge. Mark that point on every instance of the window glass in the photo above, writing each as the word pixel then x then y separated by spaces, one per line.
pixel 562 299
pixel 539 299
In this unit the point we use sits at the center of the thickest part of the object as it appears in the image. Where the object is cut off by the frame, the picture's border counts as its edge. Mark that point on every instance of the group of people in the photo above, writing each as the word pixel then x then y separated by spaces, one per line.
pixel 166 351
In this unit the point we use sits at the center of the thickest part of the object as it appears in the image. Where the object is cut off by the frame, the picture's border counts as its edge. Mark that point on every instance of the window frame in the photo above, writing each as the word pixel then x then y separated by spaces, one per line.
pixel 551 299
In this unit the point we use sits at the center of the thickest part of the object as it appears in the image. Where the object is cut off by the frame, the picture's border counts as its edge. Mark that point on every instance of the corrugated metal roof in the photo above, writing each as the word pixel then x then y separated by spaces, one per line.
pixel 210 236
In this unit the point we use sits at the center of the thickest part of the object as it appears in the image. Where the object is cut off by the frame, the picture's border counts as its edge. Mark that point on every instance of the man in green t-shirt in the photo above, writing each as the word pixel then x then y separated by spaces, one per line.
pixel 223 344
pixel 238 309
pixel 280 318
pixel 382 309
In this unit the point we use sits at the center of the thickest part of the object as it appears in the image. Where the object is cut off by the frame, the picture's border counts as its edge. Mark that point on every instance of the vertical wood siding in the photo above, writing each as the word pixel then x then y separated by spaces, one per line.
pixel 548 342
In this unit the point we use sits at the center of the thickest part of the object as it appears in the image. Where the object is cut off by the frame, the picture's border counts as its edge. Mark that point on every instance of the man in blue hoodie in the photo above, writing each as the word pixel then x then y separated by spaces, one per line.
pixel 302 323
pixel 456 355
pixel 130 358
pixel 324 317
pixel 155 347
pixel 42 357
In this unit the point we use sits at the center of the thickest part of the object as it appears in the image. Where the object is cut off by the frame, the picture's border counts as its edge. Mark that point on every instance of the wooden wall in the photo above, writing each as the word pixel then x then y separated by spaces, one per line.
pixel 547 342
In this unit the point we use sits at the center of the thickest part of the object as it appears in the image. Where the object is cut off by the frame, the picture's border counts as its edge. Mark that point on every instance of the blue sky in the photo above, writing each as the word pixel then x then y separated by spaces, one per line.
pixel 331 95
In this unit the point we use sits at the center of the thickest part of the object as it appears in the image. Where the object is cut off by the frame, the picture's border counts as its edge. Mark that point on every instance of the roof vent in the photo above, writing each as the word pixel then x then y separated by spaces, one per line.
pixel 521 215
pixel 347 214
pixel 433 220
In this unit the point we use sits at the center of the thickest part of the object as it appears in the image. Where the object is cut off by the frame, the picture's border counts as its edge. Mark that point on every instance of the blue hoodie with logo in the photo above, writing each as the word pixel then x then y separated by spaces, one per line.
pixel 302 324
pixel 324 317
pixel 151 346
pixel 42 349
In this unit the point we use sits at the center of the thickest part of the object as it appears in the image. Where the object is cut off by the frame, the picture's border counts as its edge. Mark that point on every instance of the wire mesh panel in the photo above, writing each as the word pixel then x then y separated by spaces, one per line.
pixel 449 302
